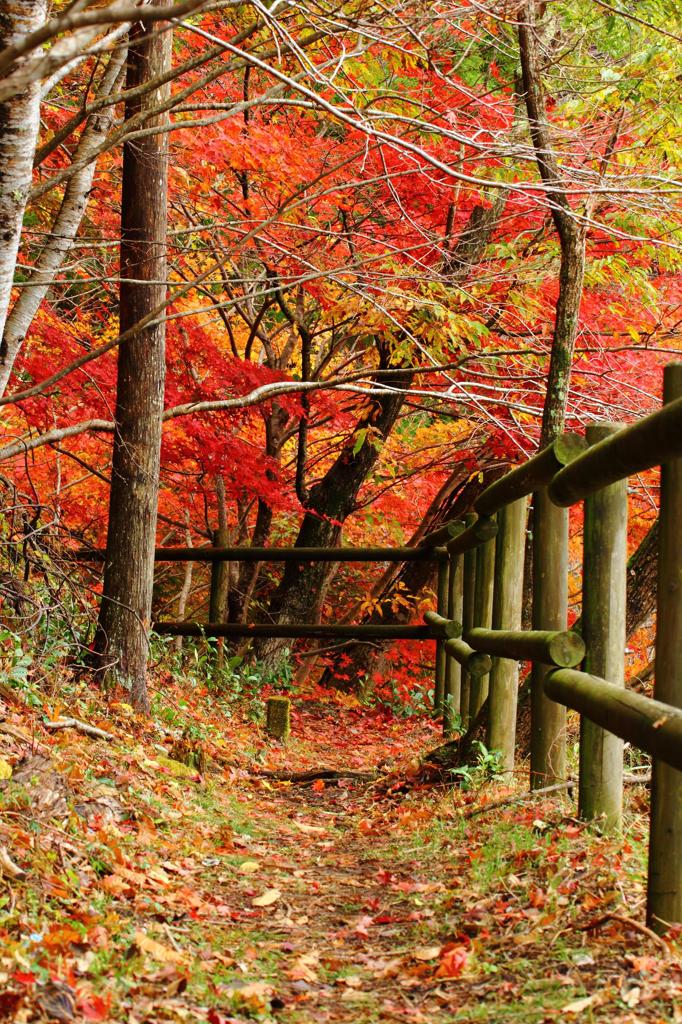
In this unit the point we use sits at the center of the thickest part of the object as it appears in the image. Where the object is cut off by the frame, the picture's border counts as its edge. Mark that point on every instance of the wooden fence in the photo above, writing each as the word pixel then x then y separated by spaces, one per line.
pixel 480 642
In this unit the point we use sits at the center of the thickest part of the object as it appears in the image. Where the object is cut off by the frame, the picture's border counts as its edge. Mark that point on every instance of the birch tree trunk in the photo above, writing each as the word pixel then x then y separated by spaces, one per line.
pixel 19 126
pixel 65 226
pixel 122 636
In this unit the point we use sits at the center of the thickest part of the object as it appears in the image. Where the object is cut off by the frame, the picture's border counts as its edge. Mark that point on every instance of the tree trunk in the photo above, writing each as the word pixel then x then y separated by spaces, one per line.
pixel 121 642
pixel 330 502
pixel 19 126
pixel 413 578
pixel 571 233
pixel 66 223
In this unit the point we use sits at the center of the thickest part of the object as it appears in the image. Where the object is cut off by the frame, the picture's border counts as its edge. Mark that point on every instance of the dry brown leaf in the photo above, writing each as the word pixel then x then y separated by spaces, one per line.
pixel 351 981
pixel 269 897
pixel 164 954
pixel 304 968
pixel 310 829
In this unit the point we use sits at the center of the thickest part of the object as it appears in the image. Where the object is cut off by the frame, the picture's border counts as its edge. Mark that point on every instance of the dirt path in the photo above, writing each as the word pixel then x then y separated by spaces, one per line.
pixel 232 898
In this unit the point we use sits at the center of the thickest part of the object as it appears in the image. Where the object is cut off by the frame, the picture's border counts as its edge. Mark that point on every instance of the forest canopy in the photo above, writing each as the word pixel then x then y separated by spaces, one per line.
pixel 402 248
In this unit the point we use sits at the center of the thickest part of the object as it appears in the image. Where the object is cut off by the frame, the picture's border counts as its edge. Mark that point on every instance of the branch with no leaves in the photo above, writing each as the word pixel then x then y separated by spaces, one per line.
pixel 75 723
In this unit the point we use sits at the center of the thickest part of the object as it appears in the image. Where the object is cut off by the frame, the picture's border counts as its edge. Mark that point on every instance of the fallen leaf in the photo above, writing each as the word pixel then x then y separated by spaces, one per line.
pixel 314 829
pixel 164 954
pixel 304 968
pixel 453 962
pixel 254 997
pixel 427 953
pixel 248 867
pixel 631 996
pixel 269 897
pixel 95 1007
pixel 578 1005
pixel 5 769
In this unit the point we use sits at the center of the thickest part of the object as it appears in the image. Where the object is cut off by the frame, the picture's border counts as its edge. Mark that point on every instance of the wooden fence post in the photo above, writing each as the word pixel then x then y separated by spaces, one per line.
pixel 604 586
pixel 507 608
pixel 483 615
pixel 443 590
pixel 664 893
pixel 550 611
pixel 453 669
pixel 468 593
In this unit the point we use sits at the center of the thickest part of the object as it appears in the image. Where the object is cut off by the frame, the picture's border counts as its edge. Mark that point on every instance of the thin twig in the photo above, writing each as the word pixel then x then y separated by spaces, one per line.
pixel 519 799
pixel 75 723
pixel 630 923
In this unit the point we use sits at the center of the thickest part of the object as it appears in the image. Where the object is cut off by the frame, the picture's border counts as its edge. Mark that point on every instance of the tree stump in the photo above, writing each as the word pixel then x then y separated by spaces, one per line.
pixel 278 718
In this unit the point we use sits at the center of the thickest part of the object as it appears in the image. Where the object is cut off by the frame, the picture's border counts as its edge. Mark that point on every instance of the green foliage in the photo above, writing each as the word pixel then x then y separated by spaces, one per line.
pixel 486 768
pixel 15 663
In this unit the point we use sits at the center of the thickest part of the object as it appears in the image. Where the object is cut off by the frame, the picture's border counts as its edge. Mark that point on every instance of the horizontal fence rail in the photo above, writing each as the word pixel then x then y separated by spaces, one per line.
pixel 535 473
pixel 476 663
pixel 300 631
pixel 650 442
pixel 242 554
pixel 564 648
pixel 649 724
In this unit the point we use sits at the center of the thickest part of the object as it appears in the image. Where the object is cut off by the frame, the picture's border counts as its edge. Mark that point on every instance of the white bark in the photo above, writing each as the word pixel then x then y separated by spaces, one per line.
pixel 19 125
pixel 65 226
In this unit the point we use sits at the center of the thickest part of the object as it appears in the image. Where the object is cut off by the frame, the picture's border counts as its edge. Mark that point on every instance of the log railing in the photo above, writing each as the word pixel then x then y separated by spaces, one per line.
pixel 482 581
pixel 477 623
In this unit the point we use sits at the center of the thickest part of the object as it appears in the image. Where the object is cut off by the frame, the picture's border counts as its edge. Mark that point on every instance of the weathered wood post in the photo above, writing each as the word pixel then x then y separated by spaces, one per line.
pixel 664 893
pixel 550 611
pixel 483 615
pixel 278 718
pixel 468 593
pixel 453 669
pixel 443 590
pixel 507 608
pixel 604 586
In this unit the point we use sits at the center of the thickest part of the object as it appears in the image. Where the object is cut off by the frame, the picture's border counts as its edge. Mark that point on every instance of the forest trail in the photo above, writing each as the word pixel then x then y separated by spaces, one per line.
pixel 232 897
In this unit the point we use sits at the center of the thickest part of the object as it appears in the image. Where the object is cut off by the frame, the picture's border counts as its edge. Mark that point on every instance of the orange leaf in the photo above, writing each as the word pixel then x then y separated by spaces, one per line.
pixel 453 962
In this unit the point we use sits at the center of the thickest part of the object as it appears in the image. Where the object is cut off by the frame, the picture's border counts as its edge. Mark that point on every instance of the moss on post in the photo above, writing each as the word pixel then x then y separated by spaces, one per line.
pixel 278 718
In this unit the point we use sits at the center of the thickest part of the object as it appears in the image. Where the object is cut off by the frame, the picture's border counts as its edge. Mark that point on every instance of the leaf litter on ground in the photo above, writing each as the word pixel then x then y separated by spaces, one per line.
pixel 135 893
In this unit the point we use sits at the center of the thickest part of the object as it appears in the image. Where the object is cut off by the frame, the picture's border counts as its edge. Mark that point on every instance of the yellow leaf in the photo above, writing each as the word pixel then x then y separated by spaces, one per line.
pixel 5 769
pixel 249 867
pixel 269 897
